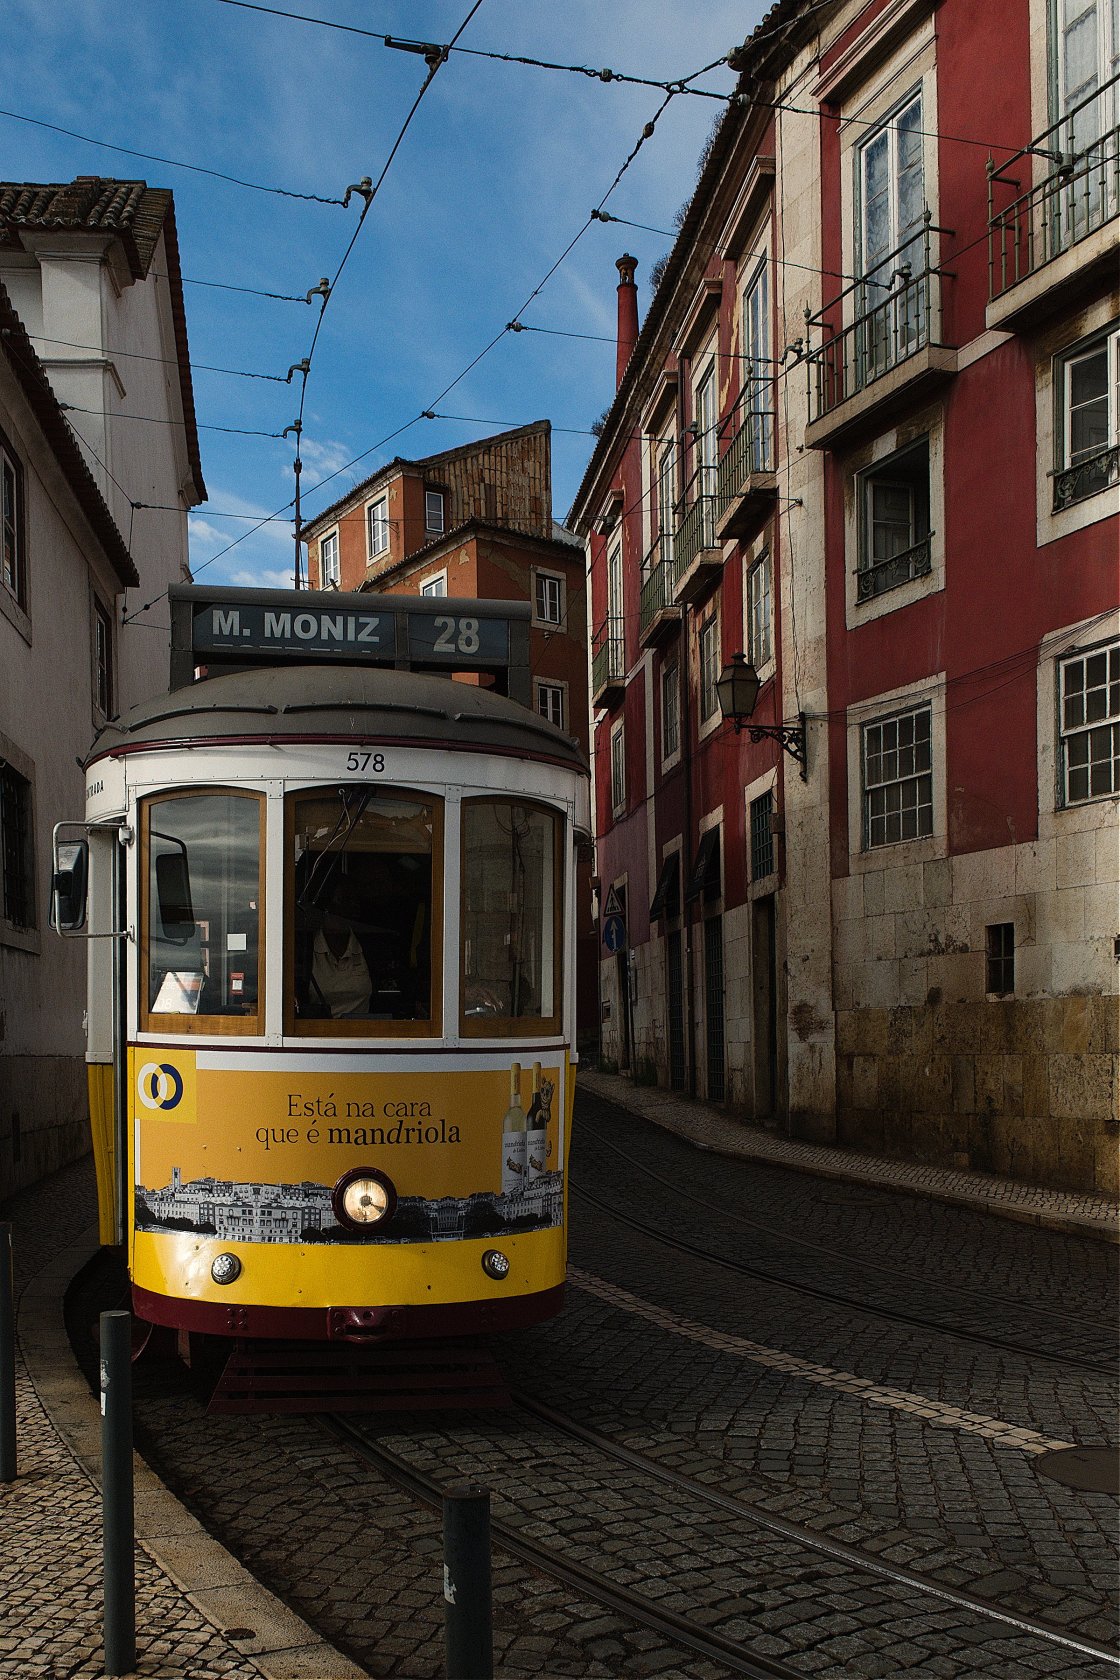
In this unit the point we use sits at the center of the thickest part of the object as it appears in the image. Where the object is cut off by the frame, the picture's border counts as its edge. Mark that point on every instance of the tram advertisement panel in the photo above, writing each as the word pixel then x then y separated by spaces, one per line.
pixel 254 1154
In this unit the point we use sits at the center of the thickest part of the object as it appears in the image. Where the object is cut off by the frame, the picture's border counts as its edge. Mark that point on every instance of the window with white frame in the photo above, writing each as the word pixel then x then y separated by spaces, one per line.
pixel 760 635
pixel 618 768
pixel 897 778
pixel 1089 702
pixel 708 648
pixel 548 598
pixel 757 389
pixel 103 683
pixel 893 514
pixel 436 585
pixel 328 561
pixel 1087 39
pixel 891 200
pixel 670 710
pixel 666 498
pixel 433 511
pixel 550 702
pixel 1087 429
pixel 377 524
pixel 12 567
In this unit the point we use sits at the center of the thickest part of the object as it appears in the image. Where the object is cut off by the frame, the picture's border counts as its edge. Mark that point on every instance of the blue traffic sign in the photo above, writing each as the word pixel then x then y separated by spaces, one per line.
pixel 614 933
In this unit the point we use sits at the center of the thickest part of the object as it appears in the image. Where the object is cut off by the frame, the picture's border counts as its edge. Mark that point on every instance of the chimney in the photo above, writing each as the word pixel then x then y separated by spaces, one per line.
pixel 627 314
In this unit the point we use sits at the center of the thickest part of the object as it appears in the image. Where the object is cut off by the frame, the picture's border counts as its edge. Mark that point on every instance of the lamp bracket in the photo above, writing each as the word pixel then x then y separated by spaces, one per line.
pixel 789 736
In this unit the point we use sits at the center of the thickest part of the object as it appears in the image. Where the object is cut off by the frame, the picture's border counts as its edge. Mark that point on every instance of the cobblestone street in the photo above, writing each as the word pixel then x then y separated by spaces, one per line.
pixel 870 1371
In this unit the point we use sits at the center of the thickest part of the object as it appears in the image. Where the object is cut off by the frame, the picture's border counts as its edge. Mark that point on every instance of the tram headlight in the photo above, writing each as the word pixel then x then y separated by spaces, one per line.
pixel 226 1268
pixel 363 1197
pixel 495 1264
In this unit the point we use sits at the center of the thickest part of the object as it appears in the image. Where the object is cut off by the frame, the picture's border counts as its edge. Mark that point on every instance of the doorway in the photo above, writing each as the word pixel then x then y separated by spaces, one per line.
pixel 764 972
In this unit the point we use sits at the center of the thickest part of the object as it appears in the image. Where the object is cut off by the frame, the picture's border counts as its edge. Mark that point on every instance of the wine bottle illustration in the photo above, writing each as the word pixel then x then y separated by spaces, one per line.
pixel 536 1131
pixel 513 1137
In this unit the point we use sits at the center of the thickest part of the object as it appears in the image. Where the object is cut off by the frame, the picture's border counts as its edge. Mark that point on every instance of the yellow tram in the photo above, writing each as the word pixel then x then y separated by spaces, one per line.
pixel 329 899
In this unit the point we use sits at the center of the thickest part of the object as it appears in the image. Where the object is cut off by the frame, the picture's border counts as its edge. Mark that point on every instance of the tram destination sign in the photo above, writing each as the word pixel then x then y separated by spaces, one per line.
pixel 219 628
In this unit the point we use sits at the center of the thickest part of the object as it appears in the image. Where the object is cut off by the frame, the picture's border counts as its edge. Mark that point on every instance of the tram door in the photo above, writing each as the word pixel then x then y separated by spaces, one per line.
pixel 106 1057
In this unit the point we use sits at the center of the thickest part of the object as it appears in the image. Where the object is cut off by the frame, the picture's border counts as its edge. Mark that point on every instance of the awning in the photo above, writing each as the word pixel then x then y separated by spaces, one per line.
pixel 704 880
pixel 667 898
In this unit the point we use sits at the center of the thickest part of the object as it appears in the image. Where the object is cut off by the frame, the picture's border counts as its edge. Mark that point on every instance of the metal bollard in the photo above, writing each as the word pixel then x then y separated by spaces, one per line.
pixel 117 1515
pixel 468 1625
pixel 7 1358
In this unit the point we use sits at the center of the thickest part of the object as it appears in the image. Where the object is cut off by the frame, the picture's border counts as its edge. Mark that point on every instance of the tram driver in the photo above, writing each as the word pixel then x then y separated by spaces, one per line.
pixel 340 977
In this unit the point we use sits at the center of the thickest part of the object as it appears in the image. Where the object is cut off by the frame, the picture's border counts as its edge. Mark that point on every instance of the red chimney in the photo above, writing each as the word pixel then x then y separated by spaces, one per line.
pixel 627 314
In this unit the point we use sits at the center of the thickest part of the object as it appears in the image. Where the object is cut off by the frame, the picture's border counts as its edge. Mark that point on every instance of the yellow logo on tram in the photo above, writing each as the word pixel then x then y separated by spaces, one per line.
pixel 166 1089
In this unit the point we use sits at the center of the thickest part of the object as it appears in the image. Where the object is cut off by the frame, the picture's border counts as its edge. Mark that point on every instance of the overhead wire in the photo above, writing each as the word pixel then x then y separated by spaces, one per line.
pixel 167 361
pixel 171 163
pixel 434 57
pixel 169 420
pixel 601 75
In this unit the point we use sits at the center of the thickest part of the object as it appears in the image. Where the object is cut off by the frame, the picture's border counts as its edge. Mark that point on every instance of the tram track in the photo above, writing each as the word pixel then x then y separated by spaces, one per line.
pixel 703 1642
pixel 833 1297
pixel 735 1655
pixel 835 1549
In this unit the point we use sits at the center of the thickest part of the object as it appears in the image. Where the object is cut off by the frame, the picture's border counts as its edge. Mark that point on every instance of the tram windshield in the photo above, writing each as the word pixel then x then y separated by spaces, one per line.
pixel 512 908
pixel 202 908
pixel 360 870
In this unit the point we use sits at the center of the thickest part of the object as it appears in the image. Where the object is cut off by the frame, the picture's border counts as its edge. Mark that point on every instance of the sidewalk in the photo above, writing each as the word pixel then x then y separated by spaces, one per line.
pixel 1079 1214
pixel 199 1614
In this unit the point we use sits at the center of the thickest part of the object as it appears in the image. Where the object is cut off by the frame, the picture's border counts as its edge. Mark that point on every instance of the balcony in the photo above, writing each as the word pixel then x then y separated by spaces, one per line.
pixel 880 575
pixel 890 355
pixel 697 556
pixel 658 614
pixel 608 662
pixel 1051 239
pixel 746 486
pixel 1099 471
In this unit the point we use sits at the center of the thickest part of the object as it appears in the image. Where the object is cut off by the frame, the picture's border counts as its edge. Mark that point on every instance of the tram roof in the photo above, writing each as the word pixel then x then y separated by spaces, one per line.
pixel 359 703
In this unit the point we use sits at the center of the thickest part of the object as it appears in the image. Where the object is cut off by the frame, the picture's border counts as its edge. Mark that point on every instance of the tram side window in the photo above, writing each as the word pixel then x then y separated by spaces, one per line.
pixel 361 866
pixel 203 906
pixel 512 900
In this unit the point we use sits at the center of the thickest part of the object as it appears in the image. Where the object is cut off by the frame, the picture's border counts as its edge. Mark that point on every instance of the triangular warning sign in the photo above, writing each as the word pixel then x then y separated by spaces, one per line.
pixel 613 906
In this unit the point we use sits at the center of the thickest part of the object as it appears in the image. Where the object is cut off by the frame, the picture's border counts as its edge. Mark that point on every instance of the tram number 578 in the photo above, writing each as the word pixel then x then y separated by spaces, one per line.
pixel 371 761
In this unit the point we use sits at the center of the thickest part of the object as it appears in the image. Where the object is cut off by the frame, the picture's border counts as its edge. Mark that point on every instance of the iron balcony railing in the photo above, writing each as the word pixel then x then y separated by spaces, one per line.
pixel 751 449
pixel 897 307
pixel 880 575
pixel 1032 222
pixel 1099 471
pixel 608 653
pixel 658 577
pixel 696 519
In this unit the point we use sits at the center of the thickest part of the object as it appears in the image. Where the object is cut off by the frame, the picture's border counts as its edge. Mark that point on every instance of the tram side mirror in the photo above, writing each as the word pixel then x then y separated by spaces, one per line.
pixel 68 885
pixel 173 891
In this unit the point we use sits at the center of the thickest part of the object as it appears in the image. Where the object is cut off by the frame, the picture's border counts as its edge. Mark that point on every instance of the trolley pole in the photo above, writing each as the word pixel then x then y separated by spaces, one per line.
pixel 118 1523
pixel 468 1625
pixel 7 1358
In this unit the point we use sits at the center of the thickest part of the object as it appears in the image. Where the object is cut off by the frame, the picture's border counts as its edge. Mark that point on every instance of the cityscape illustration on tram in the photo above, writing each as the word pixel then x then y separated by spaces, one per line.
pixel 329 901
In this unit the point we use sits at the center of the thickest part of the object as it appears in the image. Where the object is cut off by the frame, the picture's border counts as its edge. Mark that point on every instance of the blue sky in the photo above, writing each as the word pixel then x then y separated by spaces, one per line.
pixel 498 171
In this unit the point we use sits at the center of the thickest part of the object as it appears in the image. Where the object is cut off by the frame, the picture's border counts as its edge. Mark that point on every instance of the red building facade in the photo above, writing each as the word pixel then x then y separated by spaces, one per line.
pixel 867 437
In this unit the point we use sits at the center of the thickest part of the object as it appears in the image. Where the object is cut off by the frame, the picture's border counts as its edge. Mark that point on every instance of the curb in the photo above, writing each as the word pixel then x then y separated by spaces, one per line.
pixel 282 1646
pixel 761 1146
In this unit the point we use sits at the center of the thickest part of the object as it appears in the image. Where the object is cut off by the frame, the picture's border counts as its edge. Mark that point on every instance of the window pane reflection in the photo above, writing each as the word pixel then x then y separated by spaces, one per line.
pixel 511 914
pixel 360 878
pixel 203 920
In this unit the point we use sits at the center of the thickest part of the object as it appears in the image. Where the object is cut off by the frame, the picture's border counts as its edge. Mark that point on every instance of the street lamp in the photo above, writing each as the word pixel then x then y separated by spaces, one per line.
pixel 737 692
